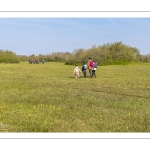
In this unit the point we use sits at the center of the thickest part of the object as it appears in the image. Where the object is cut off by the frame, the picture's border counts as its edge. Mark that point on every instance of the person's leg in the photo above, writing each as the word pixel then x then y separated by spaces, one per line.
pixel 90 71
pixel 84 72
pixel 75 75
pixel 93 73
pixel 78 76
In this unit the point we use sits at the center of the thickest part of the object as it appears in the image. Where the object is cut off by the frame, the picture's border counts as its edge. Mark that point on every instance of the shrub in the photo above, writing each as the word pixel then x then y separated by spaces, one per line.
pixel 7 56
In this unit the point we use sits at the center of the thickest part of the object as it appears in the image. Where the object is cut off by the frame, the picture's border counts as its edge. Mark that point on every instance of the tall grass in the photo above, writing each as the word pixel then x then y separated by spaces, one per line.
pixel 47 98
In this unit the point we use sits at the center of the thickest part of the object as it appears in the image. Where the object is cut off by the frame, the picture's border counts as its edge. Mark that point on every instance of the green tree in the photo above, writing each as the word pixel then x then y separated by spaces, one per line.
pixel 7 56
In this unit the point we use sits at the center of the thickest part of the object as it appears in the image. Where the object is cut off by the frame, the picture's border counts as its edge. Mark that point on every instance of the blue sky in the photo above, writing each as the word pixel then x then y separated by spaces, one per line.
pixel 27 36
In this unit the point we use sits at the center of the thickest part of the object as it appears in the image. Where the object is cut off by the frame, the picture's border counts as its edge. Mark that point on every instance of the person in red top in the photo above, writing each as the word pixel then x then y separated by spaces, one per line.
pixel 90 66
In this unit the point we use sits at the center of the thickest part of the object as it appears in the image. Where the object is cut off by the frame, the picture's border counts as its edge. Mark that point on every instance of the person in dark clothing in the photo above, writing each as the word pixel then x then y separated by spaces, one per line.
pixel 94 69
pixel 84 68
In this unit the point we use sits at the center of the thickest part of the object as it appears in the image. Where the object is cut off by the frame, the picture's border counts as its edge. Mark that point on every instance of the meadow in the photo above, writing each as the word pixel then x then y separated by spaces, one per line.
pixel 48 98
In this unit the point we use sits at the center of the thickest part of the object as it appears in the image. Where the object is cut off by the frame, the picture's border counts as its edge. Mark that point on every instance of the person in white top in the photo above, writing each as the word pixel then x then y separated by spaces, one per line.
pixel 77 72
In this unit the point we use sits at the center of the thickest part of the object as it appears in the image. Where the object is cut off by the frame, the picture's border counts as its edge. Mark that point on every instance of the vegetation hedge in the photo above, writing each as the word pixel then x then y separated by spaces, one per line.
pixel 116 53
pixel 8 57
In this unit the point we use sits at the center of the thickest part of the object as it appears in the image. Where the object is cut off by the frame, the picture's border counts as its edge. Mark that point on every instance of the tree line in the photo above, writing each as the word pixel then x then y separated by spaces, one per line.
pixel 107 54
pixel 7 56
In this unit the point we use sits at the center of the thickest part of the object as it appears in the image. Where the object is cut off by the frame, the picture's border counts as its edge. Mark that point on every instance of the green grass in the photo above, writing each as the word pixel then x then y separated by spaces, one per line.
pixel 47 98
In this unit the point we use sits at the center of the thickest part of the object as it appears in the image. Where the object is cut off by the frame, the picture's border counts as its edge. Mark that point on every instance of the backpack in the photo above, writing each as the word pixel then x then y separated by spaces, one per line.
pixel 95 65
pixel 91 64
pixel 84 66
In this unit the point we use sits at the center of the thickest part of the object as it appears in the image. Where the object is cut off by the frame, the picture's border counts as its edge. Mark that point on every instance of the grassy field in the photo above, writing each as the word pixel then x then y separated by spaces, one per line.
pixel 47 98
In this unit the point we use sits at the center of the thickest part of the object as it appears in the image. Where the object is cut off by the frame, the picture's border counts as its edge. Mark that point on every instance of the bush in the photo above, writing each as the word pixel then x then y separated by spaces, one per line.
pixel 8 57
pixel 108 54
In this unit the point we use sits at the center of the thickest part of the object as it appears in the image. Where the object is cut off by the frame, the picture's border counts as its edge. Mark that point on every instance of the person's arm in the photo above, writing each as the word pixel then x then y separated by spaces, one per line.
pixel 88 65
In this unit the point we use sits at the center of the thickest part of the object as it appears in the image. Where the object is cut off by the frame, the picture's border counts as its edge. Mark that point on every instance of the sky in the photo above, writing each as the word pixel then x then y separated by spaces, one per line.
pixel 27 36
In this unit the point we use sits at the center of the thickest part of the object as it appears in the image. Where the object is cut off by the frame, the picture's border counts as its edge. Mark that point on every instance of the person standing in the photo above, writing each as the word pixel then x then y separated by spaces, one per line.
pixel 90 66
pixel 76 72
pixel 84 67
pixel 94 69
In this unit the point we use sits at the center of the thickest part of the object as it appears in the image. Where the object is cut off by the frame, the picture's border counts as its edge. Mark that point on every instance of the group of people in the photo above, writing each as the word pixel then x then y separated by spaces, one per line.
pixel 91 66
pixel 36 61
